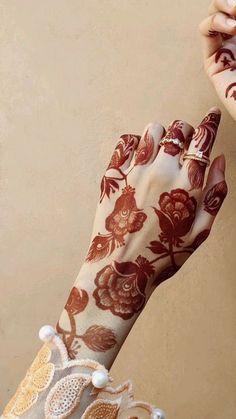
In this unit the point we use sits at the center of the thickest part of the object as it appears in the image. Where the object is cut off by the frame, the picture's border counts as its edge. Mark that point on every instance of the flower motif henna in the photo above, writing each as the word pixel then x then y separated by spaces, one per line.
pixel 120 287
pixel 176 215
pixel 125 218
pixel 215 197
pixel 97 338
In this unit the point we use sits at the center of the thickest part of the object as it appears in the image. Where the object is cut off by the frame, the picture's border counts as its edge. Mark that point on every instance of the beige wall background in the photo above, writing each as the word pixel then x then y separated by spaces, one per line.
pixel 74 76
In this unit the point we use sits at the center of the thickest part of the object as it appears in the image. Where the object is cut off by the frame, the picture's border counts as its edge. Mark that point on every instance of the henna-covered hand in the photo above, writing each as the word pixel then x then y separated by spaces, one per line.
pixel 154 212
pixel 219 42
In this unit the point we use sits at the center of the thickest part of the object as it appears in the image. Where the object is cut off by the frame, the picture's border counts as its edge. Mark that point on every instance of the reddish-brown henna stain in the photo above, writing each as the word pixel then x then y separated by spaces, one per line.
pixel 120 287
pixel 174 132
pixel 215 197
pixel 125 218
pixel 229 88
pixel 110 182
pixel 97 338
pixel 228 57
pixel 145 150
pixel 203 137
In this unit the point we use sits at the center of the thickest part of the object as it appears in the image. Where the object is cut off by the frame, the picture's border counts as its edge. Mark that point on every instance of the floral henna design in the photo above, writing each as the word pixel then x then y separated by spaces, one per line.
pixel 125 218
pixel 203 137
pixel 120 287
pixel 114 173
pixel 215 197
pixel 97 338
pixel 145 151
pixel 176 215
pixel 174 132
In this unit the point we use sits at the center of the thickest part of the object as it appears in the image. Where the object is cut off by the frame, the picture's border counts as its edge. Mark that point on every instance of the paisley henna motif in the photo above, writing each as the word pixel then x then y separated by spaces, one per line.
pixel 125 218
pixel 215 198
pixel 145 150
pixel 97 338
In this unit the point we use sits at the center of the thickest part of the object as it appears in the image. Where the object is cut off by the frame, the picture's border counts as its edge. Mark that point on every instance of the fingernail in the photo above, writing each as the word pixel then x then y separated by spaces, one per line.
pixel 231 23
pixel 221 163
pixel 232 2
pixel 215 109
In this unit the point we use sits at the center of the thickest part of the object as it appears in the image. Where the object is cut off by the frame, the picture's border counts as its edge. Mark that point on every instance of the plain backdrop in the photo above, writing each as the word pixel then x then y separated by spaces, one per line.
pixel 74 76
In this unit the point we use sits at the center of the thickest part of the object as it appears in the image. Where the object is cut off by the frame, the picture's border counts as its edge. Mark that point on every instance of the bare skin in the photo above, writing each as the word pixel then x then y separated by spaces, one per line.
pixel 219 48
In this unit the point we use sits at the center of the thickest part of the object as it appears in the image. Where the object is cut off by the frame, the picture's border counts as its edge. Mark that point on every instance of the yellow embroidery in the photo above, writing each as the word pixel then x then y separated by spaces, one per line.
pixel 102 409
pixel 37 379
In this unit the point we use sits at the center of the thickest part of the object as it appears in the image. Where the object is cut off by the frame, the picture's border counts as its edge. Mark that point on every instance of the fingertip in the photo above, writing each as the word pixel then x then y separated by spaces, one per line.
pixel 215 109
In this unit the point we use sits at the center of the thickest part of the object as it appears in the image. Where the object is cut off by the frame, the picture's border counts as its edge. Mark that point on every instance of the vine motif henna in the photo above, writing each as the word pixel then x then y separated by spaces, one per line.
pixel 227 54
pixel 174 132
pixel 204 137
pixel 97 338
pixel 145 150
pixel 215 197
pixel 110 181
pixel 125 218
pixel 120 287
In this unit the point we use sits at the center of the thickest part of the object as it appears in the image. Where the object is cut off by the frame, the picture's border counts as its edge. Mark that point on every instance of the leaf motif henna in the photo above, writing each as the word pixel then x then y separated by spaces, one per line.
pixel 97 338
pixel 145 150
pixel 215 197
pixel 120 287
pixel 122 150
pixel 157 247
pixel 108 185
pixel 196 172
pixel 77 301
pixel 205 134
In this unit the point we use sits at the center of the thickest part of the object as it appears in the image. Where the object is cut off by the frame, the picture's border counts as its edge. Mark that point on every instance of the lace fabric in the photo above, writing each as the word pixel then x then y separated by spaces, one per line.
pixel 56 387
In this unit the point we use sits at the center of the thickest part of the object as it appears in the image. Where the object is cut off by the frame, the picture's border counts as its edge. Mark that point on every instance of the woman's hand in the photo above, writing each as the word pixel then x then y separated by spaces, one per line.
pixel 154 212
pixel 219 43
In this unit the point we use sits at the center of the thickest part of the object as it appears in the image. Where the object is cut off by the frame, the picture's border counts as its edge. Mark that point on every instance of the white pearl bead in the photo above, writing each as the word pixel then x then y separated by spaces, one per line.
pixel 158 414
pixel 100 378
pixel 46 333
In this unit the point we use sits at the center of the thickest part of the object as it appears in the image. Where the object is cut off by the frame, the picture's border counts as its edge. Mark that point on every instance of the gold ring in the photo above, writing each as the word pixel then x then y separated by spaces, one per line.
pixel 198 156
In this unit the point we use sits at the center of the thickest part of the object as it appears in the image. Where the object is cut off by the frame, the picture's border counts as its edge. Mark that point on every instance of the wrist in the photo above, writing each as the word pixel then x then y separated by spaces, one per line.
pixel 87 330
